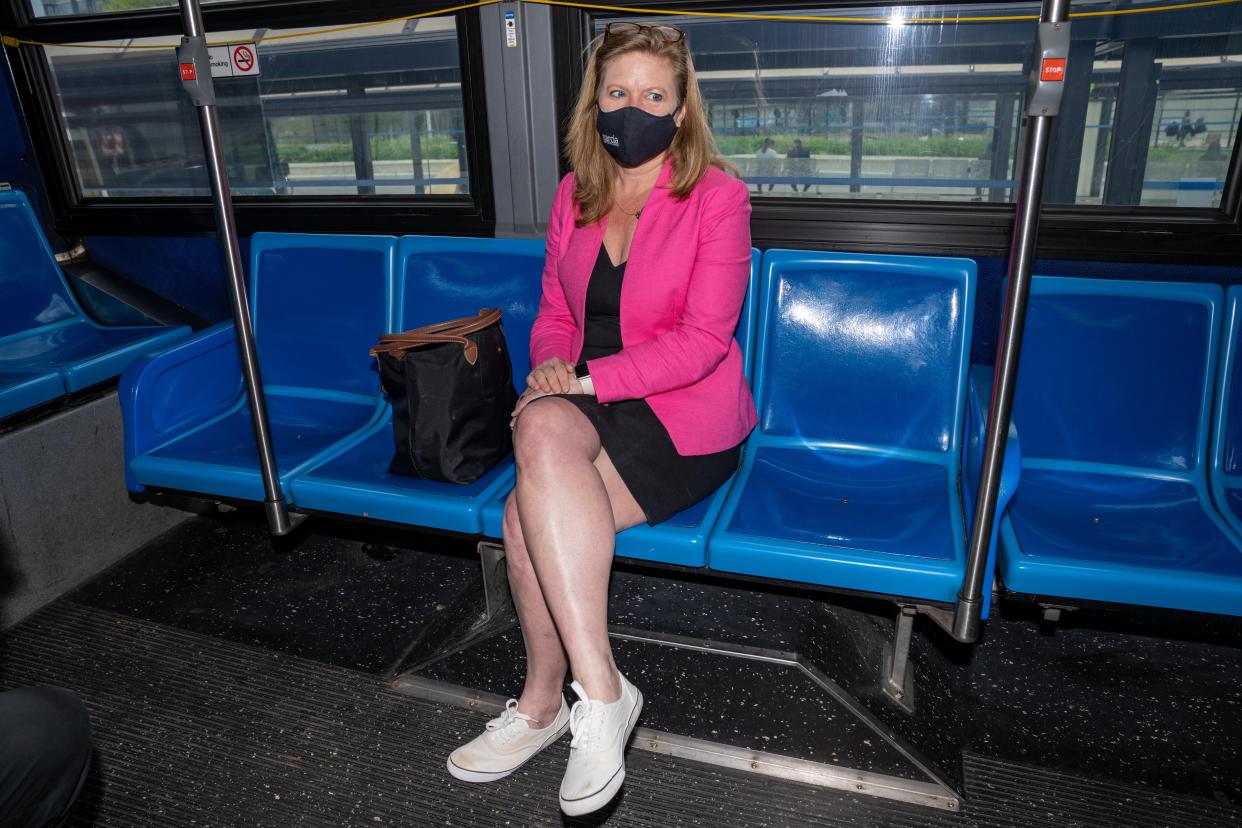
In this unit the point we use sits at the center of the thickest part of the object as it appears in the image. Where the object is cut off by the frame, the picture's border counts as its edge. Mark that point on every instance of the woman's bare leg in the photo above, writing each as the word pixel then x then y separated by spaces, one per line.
pixel 546 661
pixel 571 503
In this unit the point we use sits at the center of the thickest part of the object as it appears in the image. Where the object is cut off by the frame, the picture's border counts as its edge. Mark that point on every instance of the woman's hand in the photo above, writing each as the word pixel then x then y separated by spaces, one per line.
pixel 531 394
pixel 527 397
pixel 554 376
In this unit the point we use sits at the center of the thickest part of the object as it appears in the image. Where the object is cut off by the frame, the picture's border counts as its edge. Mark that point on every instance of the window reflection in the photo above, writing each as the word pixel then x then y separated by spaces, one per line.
pixel 372 111
pixel 933 111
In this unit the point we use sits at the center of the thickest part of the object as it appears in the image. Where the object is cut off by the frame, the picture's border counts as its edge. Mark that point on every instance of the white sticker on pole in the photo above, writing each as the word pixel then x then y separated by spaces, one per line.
pixel 236 61
pixel 511 29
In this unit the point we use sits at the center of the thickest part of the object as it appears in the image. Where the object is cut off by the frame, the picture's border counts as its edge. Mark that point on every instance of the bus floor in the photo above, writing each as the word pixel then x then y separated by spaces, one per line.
pixel 234 679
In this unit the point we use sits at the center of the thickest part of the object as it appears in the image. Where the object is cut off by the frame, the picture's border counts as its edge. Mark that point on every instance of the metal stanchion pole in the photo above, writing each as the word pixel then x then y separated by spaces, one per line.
pixel 1043 101
pixel 195 67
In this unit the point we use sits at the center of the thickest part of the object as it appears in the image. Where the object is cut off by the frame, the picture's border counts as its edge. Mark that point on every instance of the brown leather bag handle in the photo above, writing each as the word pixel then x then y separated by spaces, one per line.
pixel 454 331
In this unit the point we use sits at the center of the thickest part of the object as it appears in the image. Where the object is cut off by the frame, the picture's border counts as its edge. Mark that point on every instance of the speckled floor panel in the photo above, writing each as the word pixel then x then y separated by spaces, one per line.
pixel 773 708
pixel 340 598
pixel 1151 700
pixel 194 730
pixel 1135 699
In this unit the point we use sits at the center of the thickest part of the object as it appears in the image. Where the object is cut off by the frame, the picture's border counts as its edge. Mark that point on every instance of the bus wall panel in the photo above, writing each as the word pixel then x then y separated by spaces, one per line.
pixel 188 270
pixel 17 162
pixel 65 514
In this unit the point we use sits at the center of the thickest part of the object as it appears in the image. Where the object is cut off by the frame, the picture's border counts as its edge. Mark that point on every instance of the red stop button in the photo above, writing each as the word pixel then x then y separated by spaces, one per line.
pixel 1052 69
pixel 187 72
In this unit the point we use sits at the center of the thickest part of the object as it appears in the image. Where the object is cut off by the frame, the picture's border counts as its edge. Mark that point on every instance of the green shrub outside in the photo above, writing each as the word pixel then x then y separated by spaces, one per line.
pixel 938 147
pixel 1176 153
pixel 392 148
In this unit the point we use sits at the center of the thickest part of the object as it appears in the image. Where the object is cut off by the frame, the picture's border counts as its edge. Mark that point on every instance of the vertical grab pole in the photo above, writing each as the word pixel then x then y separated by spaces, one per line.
pixel 195 67
pixel 1043 100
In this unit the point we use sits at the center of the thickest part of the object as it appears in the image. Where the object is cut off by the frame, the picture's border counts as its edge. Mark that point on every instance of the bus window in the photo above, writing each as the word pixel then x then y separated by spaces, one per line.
pixel 930 111
pixel 318 120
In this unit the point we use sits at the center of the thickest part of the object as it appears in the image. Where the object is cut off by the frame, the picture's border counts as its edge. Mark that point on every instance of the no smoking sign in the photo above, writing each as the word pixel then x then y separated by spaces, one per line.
pixel 236 61
pixel 243 61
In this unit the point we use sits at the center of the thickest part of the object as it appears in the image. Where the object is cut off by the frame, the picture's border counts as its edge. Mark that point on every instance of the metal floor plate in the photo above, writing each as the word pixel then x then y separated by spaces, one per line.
pixel 194 730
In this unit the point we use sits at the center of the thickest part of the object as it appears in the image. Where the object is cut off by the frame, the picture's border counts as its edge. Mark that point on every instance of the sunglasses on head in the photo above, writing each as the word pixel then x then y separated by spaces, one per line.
pixel 670 34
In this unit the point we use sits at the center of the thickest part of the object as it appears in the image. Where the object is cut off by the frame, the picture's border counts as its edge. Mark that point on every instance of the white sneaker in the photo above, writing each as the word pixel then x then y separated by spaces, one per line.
pixel 507 744
pixel 596 754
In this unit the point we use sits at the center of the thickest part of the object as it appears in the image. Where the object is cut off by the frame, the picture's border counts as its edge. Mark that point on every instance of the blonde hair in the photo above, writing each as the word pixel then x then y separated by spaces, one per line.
pixel 693 149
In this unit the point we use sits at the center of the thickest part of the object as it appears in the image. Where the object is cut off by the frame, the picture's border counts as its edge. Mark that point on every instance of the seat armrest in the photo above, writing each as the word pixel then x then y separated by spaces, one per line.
pixel 979 399
pixel 167 393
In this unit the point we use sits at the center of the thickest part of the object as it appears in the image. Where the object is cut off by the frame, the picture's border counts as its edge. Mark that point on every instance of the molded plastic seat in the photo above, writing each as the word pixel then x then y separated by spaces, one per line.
pixel 318 304
pixel 1226 469
pixel 682 539
pixel 47 345
pixel 19 392
pixel 851 478
pixel 439 279
pixel 1112 404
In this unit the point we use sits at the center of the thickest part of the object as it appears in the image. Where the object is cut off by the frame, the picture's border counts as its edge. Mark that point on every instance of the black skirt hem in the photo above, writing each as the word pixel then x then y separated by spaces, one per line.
pixel 662 481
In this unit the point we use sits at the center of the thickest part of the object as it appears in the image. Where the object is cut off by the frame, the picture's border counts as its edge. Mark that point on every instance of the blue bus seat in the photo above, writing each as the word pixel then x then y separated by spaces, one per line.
pixel 1226 469
pixel 48 346
pixel 1112 403
pixel 439 279
pixel 682 539
pixel 318 303
pixel 19 392
pixel 851 478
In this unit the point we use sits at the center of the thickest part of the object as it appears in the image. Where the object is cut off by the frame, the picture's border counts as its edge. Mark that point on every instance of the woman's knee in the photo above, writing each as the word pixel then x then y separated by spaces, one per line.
pixel 546 430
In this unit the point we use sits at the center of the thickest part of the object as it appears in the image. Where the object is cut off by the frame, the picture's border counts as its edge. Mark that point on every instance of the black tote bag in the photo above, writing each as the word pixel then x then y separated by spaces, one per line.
pixel 451 388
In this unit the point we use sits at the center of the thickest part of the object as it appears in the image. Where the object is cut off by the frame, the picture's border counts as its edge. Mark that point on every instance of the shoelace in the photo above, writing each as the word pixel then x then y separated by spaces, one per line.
pixel 508 716
pixel 586 722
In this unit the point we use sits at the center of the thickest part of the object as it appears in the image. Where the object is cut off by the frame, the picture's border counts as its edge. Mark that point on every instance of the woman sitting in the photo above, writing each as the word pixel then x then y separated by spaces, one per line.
pixel 637 407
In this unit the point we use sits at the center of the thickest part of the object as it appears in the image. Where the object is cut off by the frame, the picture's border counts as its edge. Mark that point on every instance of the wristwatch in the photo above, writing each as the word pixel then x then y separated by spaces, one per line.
pixel 583 373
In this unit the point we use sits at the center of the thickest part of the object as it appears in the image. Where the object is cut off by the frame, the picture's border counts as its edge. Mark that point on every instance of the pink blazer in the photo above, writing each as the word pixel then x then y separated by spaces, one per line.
pixel 680 301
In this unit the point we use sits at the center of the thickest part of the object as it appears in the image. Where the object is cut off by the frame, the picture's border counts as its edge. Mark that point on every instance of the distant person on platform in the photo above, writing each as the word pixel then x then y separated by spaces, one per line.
pixel 766 166
pixel 45 752
pixel 799 163
pixel 1185 129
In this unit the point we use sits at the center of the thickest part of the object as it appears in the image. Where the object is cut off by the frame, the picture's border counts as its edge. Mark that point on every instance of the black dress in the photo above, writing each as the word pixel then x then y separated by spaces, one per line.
pixel 662 481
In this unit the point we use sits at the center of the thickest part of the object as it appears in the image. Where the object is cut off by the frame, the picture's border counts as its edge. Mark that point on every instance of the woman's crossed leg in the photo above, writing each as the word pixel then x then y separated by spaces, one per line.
pixel 560 527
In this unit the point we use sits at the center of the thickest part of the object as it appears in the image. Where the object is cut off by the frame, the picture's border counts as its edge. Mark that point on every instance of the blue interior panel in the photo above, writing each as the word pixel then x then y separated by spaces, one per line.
pixel 439 278
pixel 179 388
pixel 1226 465
pixel 1140 520
pixel 34 290
pixel 1128 540
pixel 21 391
pixel 84 354
pixel 356 482
pixel 443 278
pixel 846 321
pixel 318 309
pixel 849 500
pixel 1112 404
pixel 851 478
pixel 42 329
pixel 302 428
pixel 1078 391
pixel 318 303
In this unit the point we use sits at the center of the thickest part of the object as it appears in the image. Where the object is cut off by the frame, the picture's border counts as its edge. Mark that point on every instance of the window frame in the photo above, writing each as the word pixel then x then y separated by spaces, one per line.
pixel 1204 236
pixel 471 214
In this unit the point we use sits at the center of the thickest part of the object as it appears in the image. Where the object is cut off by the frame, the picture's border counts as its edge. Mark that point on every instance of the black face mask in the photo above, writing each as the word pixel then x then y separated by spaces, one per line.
pixel 633 136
